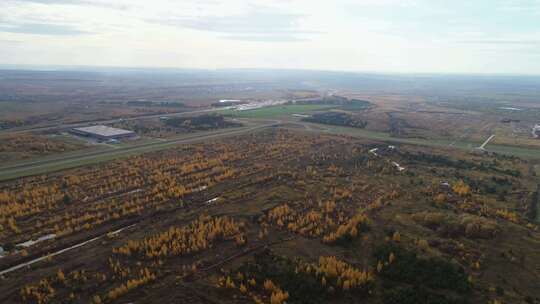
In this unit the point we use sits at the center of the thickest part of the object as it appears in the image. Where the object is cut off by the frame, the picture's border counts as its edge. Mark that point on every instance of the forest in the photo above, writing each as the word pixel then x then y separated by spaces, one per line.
pixel 337 119
pixel 275 216
pixel 201 122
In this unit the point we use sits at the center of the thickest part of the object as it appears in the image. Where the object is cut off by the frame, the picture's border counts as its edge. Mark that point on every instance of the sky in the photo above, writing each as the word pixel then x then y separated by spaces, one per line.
pixel 403 36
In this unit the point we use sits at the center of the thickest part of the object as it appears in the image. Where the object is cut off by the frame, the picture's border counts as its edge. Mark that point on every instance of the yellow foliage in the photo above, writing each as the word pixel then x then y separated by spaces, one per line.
pixel 269 285
pixel 507 215
pixel 278 297
pixel 229 283
pixel 60 275
pixel 97 299
pixel 396 237
pixel 461 188
pixel 379 266
pixel 243 288
pixel 440 198
pixel 149 183
pixel 423 244
pixel 346 276
pixel 42 292
pixel 145 277
pixel 348 229
pixel 391 258
pixel 197 236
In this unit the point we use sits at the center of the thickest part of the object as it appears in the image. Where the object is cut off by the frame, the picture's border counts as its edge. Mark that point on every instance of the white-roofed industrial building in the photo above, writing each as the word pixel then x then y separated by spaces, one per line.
pixel 103 132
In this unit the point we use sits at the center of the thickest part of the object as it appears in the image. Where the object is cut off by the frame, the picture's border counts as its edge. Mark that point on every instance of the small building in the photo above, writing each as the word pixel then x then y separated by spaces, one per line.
pixel 103 132
pixel 374 151
pixel 398 167
pixel 536 131
pixel 230 101
pixel 444 184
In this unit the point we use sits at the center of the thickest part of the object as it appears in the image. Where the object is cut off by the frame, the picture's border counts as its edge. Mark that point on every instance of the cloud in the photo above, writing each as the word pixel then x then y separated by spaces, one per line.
pixel 503 42
pixel 257 23
pixel 43 29
pixel 520 6
pixel 54 1
pixel 74 2
pixel 265 38
pixel 9 42
pixel 384 35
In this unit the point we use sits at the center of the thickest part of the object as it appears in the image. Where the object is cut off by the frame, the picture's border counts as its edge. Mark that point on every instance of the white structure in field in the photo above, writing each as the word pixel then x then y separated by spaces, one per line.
pixel 398 167
pixel 230 100
pixel 536 131
pixel 103 132
pixel 374 151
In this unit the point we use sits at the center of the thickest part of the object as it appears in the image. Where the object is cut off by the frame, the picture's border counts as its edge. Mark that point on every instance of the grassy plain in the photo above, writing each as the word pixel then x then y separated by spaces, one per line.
pixel 276 111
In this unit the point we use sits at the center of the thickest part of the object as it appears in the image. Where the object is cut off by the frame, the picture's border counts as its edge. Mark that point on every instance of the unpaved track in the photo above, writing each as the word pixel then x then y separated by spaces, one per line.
pixel 36 260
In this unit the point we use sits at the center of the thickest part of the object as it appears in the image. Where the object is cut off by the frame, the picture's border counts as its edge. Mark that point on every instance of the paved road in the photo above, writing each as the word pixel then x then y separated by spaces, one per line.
pixel 108 121
pixel 26 169
pixel 486 142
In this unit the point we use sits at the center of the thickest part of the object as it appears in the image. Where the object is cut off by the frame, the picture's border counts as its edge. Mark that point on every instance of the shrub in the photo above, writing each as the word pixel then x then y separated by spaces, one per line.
pixel 417 295
pixel 406 267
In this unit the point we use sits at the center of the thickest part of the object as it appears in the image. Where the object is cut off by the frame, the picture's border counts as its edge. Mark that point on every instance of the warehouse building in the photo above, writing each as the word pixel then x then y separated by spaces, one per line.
pixel 103 132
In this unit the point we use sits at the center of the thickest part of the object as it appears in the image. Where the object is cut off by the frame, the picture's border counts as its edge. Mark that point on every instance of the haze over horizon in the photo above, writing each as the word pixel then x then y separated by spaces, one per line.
pixel 418 36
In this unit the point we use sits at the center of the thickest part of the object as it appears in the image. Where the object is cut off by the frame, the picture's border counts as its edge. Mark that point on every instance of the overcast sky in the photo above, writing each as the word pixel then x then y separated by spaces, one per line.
pixel 463 36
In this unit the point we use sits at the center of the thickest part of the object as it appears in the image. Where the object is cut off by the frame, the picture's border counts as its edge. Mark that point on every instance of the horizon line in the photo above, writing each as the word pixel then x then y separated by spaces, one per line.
pixel 84 68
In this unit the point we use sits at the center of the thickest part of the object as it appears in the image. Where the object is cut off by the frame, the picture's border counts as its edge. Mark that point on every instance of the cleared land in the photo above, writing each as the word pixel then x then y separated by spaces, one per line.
pixel 258 215
pixel 262 116
pixel 399 208
pixel 276 111
pixel 84 158
pixel 20 147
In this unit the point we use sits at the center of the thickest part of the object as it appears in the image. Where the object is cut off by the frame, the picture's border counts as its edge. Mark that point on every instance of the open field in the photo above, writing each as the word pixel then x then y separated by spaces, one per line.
pixel 276 111
pixel 248 217
pixel 517 151
pixel 70 160
pixel 31 99
pixel 16 148
pixel 84 157
pixel 528 148
pixel 417 116
pixel 28 115
pixel 171 126
pixel 376 194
